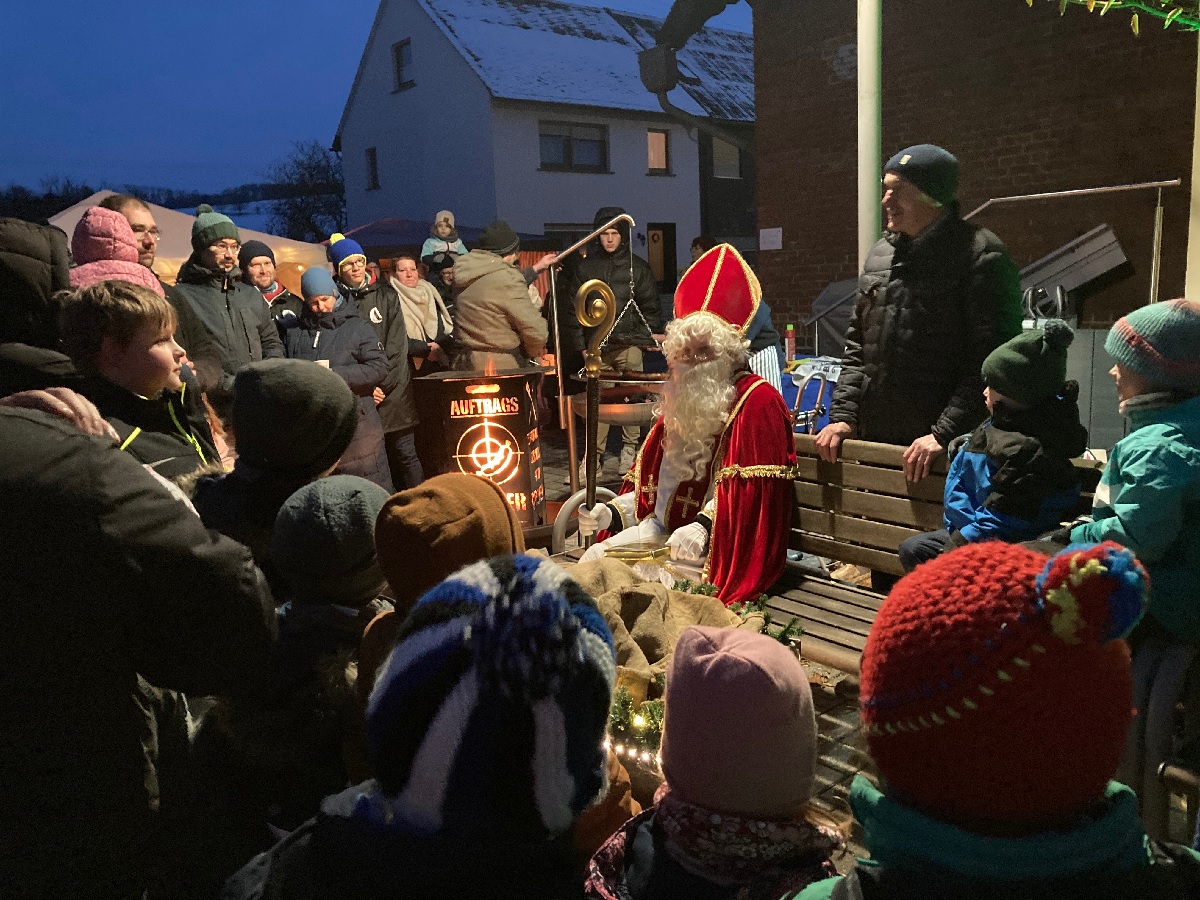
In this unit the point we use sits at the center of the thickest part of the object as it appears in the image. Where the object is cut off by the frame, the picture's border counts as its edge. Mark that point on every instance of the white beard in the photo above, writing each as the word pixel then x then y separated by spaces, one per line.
pixel 696 401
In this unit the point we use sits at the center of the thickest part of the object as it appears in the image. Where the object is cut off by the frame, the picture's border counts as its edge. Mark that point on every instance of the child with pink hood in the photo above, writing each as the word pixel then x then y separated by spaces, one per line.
pixel 104 247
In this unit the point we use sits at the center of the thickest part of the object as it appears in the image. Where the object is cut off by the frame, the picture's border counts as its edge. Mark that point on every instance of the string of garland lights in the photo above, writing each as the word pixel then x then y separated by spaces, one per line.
pixel 1185 16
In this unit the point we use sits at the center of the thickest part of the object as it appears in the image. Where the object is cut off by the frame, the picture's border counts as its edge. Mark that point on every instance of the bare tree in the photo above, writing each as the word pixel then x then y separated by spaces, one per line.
pixel 312 195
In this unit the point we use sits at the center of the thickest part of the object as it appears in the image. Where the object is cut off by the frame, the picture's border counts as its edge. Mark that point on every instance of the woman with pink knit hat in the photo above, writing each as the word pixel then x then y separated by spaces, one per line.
pixel 996 694
pixel 733 818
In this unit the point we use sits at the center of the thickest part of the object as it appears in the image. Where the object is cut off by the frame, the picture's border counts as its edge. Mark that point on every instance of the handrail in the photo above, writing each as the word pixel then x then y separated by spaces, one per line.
pixel 1077 192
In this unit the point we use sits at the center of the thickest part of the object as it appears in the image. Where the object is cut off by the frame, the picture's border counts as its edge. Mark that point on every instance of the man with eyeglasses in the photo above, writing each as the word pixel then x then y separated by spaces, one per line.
pixel 232 311
pixel 190 332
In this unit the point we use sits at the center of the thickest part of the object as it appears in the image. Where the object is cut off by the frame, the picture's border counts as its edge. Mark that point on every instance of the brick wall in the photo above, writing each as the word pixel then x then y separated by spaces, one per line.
pixel 1029 102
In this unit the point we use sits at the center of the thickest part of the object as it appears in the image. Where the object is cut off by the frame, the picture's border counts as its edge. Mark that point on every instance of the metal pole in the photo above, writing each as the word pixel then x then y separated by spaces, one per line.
pixel 870 142
pixel 579 243
pixel 1156 259
pixel 565 415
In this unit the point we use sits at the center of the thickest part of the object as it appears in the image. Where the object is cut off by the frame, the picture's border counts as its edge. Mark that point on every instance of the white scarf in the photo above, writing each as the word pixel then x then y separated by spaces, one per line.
pixel 423 309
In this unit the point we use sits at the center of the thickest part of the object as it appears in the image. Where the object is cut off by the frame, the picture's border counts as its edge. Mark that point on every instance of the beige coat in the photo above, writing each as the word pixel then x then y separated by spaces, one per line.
pixel 494 320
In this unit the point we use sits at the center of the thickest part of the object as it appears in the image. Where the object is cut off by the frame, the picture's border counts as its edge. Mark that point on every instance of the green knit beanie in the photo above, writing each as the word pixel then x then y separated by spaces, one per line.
pixel 1032 367
pixel 1160 342
pixel 211 227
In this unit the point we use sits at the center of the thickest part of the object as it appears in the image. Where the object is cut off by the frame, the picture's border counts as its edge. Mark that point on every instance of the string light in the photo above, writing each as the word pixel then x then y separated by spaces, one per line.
pixel 1183 15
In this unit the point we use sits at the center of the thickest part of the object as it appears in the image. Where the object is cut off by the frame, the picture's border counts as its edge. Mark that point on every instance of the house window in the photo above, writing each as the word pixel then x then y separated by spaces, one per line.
pixel 727 160
pixel 372 169
pixel 402 64
pixel 573 148
pixel 658 151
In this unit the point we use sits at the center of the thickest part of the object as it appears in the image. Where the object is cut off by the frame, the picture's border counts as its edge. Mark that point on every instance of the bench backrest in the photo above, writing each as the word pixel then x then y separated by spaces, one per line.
pixel 860 508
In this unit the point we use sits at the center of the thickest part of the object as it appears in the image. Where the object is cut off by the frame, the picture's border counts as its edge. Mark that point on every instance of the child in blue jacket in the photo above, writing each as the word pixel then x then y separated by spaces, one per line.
pixel 1012 477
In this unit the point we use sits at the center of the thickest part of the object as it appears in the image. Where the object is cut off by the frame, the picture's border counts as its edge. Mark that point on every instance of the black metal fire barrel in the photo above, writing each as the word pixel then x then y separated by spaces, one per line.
pixel 486 425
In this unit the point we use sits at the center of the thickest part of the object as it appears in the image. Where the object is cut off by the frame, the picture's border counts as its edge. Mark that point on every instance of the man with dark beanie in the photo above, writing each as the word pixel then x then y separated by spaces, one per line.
pixel 936 296
pixel 257 262
pixel 232 311
pixel 494 322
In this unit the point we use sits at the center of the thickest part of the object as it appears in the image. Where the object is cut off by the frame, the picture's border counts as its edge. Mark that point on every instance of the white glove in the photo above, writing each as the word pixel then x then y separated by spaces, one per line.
pixel 688 542
pixel 646 530
pixel 594 519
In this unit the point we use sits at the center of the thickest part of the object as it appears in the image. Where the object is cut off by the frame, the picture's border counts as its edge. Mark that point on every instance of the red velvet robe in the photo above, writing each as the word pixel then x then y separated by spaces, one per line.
pixel 754 466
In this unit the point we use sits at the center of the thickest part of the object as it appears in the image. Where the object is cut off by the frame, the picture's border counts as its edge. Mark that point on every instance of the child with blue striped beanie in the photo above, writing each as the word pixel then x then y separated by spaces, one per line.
pixel 486 729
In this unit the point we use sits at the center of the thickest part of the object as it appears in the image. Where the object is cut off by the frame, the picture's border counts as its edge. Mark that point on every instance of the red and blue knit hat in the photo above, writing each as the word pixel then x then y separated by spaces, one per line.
pixel 343 249
pixel 996 691
pixel 1160 342
pixel 487 720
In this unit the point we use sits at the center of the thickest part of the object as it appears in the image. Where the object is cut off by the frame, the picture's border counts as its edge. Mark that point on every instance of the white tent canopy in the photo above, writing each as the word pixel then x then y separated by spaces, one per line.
pixel 175 246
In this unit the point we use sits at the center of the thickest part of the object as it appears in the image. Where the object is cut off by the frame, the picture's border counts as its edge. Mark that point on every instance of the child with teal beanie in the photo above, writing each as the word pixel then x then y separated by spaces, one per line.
pixel 1149 496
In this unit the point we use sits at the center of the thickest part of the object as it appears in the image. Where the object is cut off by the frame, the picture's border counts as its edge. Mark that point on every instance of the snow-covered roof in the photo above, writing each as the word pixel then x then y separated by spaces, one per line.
pixel 549 51
pixel 554 52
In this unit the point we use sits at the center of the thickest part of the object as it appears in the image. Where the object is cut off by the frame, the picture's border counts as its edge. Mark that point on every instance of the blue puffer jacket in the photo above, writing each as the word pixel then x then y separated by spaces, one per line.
pixel 353 351
pixel 1013 478
pixel 1149 501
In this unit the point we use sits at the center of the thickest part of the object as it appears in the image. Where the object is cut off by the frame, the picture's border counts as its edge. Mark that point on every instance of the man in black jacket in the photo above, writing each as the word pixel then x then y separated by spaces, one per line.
pixel 936 296
pixel 232 312
pixel 611 260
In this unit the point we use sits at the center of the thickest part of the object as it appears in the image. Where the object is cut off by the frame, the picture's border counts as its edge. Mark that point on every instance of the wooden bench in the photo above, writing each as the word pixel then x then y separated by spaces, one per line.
pixel 856 511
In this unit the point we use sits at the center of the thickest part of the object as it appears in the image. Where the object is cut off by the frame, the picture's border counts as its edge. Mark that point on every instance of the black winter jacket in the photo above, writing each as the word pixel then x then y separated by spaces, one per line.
pixel 233 313
pixel 354 352
pixel 106 575
pixel 613 270
pixel 379 305
pixel 169 433
pixel 929 311
pixel 193 337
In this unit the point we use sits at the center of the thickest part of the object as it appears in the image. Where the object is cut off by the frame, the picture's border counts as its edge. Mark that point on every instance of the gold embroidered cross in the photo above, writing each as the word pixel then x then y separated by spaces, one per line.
pixel 687 501
pixel 650 489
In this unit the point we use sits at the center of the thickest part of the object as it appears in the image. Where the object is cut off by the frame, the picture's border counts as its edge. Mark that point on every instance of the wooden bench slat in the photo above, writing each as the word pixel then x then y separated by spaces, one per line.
pixel 820 610
pixel 839 637
pixel 822 545
pixel 834 656
pixel 879 535
pixel 850 594
pixel 922 515
pixel 849 611
pixel 891 481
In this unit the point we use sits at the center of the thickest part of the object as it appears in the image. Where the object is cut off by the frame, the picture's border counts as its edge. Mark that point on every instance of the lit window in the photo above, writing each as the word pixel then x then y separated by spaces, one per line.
pixel 402 64
pixel 727 160
pixel 372 169
pixel 658 151
pixel 573 148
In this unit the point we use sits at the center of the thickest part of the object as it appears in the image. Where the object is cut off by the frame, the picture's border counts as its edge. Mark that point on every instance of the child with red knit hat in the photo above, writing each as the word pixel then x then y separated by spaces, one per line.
pixel 996 694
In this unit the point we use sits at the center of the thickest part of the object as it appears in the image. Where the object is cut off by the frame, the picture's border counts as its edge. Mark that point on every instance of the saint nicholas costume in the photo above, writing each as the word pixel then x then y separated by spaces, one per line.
pixel 744 496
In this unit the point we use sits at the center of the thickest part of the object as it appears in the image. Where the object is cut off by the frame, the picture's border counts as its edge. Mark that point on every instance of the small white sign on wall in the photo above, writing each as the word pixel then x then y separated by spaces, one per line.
pixel 770 239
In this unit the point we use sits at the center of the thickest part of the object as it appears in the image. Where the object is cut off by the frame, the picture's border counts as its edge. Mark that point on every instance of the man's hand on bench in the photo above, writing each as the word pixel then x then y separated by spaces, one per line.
pixel 829 440
pixel 919 457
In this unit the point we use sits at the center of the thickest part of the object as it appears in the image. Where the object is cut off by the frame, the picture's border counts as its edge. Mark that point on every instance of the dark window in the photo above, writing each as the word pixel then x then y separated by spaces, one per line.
pixel 372 169
pixel 573 148
pixel 727 159
pixel 402 63
pixel 658 151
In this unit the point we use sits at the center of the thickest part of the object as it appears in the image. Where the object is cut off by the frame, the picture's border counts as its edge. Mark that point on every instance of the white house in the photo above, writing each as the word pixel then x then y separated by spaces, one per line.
pixel 533 111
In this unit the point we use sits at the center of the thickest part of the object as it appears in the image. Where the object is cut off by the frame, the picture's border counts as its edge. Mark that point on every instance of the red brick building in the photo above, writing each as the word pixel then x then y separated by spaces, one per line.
pixel 1029 102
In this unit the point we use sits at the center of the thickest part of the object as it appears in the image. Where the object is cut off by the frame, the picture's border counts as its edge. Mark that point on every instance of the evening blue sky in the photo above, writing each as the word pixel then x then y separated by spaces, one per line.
pixel 188 95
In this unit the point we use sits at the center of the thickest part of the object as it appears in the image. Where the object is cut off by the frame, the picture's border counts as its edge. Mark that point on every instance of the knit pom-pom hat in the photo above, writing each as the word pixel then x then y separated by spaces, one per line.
pixel 342 249
pixel 1160 342
pixel 210 227
pixel 444 215
pixel 1032 367
pixel 487 720
pixel 995 690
